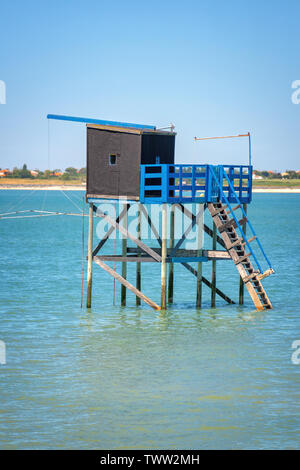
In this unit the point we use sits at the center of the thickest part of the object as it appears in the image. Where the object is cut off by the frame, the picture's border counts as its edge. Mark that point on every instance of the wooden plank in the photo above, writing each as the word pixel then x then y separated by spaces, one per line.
pixel 126 259
pixel 124 264
pixel 110 231
pixel 171 265
pixel 90 259
pixel 163 258
pixel 267 273
pixel 199 253
pixel 243 259
pixel 124 282
pixel 234 209
pixel 219 210
pixel 242 282
pixel 210 254
pixel 130 236
pixel 138 265
pixel 232 223
pixel 214 270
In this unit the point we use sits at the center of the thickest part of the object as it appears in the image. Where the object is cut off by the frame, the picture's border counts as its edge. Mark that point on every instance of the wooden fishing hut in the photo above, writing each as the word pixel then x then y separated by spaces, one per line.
pixel 134 164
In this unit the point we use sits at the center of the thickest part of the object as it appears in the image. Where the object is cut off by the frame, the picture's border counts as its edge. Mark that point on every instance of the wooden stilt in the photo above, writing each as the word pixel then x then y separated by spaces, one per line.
pixel 126 284
pixel 171 265
pixel 124 253
pixel 163 258
pixel 199 253
pixel 90 259
pixel 214 266
pixel 138 265
pixel 241 292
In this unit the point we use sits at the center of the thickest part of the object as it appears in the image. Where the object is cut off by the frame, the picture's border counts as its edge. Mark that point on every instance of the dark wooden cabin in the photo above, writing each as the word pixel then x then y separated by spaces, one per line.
pixel 114 156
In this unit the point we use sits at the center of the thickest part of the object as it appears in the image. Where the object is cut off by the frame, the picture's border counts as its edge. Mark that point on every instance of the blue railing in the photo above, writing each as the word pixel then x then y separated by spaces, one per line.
pixel 174 183
pixel 236 199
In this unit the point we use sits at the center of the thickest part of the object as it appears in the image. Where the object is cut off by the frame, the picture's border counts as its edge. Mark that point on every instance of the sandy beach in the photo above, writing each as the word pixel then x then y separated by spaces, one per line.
pixel 83 188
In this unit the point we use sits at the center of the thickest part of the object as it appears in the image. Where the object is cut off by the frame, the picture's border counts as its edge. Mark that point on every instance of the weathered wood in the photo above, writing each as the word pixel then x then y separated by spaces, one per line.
pixel 233 208
pixel 207 283
pixel 138 265
pixel 267 273
pixel 243 259
pixel 206 229
pixel 195 220
pixel 199 253
pixel 210 233
pixel 111 229
pixel 242 284
pixel 259 298
pixel 232 224
pixel 213 269
pixel 90 259
pixel 130 236
pixel 124 264
pixel 126 259
pixel 163 258
pixel 151 225
pixel 124 282
pixel 171 265
pixel 210 254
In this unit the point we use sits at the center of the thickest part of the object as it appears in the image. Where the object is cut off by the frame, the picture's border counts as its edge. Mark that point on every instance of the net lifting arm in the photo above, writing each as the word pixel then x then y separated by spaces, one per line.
pixel 99 121
pixel 230 137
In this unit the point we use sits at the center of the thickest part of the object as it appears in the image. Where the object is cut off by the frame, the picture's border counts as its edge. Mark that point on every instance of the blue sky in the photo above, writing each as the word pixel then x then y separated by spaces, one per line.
pixel 210 67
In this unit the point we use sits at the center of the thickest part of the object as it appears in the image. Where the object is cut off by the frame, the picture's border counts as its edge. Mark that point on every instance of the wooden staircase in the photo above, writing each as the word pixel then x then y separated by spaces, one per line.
pixel 236 248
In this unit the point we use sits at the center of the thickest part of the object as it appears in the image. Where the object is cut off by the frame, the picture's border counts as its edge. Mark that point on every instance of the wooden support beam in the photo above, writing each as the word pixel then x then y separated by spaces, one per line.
pixel 207 230
pixel 130 236
pixel 199 253
pixel 163 258
pixel 210 254
pixel 90 259
pixel 267 273
pixel 110 231
pixel 242 284
pixel 151 225
pixel 124 282
pixel 214 269
pixel 232 223
pixel 195 220
pixel 124 253
pixel 171 265
pixel 207 283
pixel 138 265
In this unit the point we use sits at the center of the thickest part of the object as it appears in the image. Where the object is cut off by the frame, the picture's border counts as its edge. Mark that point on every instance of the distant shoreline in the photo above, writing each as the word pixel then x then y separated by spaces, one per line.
pixel 70 187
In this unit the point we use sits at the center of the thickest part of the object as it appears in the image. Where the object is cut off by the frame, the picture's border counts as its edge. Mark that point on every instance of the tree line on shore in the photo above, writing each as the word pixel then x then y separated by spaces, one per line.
pixel 69 173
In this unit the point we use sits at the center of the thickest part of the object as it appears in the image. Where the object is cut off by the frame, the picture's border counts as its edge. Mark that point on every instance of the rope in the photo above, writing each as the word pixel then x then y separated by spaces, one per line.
pixel 82 268
pixel 74 204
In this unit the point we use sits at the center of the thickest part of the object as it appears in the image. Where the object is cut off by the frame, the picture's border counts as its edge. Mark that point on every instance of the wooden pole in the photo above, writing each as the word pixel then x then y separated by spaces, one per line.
pixel 242 285
pixel 199 267
pixel 90 258
pixel 171 265
pixel 124 253
pixel 138 265
pixel 163 258
pixel 214 266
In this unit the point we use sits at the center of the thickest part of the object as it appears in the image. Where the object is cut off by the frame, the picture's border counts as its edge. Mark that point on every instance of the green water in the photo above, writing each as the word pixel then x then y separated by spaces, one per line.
pixel 131 377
